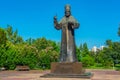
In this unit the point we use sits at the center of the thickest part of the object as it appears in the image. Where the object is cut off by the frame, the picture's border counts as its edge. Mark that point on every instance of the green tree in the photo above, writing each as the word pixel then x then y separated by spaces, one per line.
pixel 46 56
pixel 119 31
pixel 87 61
pixel 40 43
pixel 109 43
pixel 110 55
pixel 13 36
pixel 83 55
pixel 30 41
pixel 43 43
pixel 85 50
pixel 3 37
pixel 27 55
pixel 7 56
pixel 79 52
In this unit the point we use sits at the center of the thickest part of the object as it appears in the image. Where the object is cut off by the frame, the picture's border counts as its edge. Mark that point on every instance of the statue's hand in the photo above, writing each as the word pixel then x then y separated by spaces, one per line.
pixel 55 18
pixel 70 22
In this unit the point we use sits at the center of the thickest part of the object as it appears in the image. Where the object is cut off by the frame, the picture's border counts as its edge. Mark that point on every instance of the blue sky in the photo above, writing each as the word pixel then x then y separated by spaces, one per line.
pixel 99 19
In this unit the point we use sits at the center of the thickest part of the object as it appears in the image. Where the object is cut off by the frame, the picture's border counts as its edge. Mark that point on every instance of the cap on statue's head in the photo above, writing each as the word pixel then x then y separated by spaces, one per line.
pixel 67 7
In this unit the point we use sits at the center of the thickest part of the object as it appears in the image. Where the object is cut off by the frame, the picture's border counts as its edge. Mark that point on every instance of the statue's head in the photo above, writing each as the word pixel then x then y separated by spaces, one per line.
pixel 67 10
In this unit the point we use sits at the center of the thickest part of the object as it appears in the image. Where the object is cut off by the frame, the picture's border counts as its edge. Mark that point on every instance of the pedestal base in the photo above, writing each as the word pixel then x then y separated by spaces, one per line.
pixel 67 70
pixel 83 75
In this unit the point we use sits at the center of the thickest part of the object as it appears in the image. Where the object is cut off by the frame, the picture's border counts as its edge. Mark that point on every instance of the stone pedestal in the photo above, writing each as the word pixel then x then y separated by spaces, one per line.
pixel 68 70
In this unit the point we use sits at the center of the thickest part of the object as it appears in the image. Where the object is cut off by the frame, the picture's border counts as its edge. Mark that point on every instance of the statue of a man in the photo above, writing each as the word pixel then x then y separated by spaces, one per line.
pixel 68 23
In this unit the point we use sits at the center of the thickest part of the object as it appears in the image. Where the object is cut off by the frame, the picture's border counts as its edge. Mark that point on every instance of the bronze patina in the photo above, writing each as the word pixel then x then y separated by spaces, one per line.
pixel 68 66
pixel 67 24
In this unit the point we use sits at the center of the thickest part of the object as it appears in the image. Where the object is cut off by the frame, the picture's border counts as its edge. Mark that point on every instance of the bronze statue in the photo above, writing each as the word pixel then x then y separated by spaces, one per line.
pixel 68 66
pixel 68 23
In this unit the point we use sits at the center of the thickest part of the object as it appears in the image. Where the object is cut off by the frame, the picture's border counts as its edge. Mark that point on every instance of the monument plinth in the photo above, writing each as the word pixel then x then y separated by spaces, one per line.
pixel 67 70
pixel 68 66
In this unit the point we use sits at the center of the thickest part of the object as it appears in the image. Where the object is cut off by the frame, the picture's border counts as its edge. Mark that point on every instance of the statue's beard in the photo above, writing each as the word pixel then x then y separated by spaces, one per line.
pixel 67 15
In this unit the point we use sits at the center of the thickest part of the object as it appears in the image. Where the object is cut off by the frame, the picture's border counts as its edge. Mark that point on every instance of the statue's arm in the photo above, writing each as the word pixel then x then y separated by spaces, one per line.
pixel 74 22
pixel 76 25
pixel 56 24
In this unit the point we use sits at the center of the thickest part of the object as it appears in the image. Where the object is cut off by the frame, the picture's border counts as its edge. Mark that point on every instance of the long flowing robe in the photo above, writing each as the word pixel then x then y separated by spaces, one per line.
pixel 68 50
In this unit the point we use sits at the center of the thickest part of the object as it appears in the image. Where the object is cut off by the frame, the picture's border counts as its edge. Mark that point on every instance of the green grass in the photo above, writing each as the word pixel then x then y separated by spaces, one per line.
pixel 94 67
pixel 117 67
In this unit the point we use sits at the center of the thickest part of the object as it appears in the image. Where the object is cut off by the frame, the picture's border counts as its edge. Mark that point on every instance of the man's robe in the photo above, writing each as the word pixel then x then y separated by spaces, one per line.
pixel 68 50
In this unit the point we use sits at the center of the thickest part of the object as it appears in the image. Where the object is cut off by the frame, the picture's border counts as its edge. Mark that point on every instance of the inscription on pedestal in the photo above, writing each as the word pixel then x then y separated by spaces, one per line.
pixel 66 68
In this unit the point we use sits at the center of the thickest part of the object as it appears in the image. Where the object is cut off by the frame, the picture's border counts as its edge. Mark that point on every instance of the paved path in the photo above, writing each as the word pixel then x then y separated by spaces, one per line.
pixel 35 75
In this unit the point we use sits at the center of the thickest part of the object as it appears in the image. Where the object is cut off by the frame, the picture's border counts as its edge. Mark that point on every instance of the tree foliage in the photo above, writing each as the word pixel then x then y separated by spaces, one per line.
pixel 13 35
pixel 83 55
pixel 39 53
pixel 34 53
pixel 119 31
pixel 3 37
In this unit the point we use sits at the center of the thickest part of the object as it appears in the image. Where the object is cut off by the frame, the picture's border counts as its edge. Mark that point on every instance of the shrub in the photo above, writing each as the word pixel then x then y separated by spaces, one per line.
pixel 87 61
